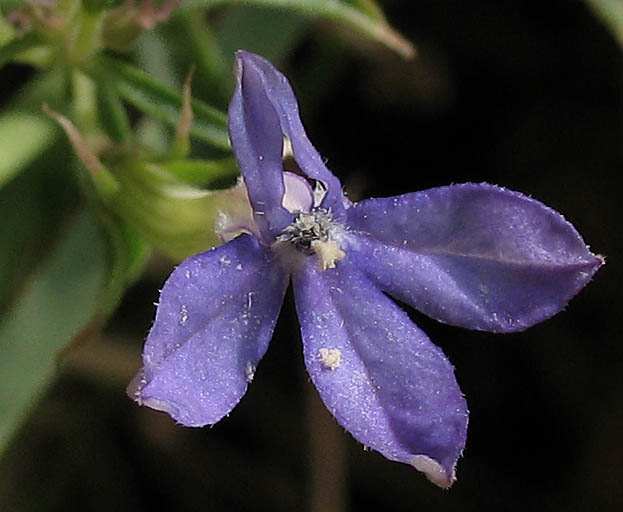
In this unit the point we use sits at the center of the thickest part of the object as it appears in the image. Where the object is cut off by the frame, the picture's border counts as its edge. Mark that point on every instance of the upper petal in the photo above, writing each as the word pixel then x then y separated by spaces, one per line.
pixel 215 318
pixel 473 255
pixel 272 96
pixel 377 373
pixel 257 142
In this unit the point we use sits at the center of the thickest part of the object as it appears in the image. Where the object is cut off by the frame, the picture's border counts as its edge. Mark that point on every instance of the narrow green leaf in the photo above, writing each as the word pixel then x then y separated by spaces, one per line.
pixel 127 254
pixel 57 304
pixel 22 138
pixel 253 28
pixel 202 48
pixel 7 30
pixel 51 87
pixel 10 50
pixel 362 15
pixel 34 207
pixel 158 100
pixel 21 216
pixel 202 172
pixel 368 7
pixel 112 114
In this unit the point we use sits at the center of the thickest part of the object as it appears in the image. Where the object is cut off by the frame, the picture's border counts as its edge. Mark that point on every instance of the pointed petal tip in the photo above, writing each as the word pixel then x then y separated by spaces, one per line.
pixel 434 471
pixel 242 57
pixel 245 55
pixel 135 391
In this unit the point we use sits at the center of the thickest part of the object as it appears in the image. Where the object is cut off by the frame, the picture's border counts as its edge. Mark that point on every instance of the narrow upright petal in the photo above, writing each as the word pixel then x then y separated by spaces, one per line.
pixel 377 373
pixel 214 321
pixel 257 142
pixel 274 97
pixel 473 255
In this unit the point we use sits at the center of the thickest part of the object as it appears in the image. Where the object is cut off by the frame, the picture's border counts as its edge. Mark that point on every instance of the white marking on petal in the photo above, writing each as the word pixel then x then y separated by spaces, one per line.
pixel 183 314
pixel 331 358
pixel 298 196
pixel 249 371
pixel 287 148
pixel 433 470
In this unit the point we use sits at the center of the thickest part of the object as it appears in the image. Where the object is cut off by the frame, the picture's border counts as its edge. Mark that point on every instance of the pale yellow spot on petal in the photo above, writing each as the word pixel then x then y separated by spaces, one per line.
pixel 331 358
pixel 329 253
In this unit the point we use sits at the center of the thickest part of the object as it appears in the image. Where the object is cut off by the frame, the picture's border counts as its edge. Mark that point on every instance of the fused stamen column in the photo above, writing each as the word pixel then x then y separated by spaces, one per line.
pixel 314 233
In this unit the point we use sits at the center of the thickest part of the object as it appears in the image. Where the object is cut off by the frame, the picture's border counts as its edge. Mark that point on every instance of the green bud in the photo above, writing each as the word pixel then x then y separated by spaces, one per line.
pixel 176 218
pixel 161 199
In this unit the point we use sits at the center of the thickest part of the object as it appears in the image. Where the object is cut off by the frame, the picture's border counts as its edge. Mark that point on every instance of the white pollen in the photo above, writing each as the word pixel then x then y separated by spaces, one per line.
pixel 328 253
pixel 225 260
pixel 331 358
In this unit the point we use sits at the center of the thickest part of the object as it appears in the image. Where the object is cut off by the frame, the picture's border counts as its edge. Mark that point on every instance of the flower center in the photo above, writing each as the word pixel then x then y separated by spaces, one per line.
pixel 314 233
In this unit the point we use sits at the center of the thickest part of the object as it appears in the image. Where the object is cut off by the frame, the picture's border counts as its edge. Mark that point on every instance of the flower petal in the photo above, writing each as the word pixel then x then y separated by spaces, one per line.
pixel 473 255
pixel 377 373
pixel 257 143
pixel 271 93
pixel 299 196
pixel 215 319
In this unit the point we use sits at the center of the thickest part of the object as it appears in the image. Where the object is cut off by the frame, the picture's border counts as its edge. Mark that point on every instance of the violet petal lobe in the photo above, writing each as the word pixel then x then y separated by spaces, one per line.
pixel 276 94
pixel 473 255
pixel 215 318
pixel 257 142
pixel 377 373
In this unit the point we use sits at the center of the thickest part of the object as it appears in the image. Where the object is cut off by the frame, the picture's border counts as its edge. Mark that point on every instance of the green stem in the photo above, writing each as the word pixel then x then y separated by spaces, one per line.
pixel 327 468
pixel 87 37
pixel 211 66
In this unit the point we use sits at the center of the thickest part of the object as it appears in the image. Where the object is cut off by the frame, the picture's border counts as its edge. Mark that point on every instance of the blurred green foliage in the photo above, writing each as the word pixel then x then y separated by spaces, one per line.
pixel 78 226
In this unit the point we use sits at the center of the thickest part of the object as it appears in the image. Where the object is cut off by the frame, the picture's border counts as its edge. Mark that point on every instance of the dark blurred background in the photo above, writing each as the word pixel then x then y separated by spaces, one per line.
pixel 528 95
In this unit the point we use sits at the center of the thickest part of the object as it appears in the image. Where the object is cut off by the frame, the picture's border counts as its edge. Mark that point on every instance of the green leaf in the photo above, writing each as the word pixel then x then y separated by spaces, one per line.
pixel 201 172
pixel 21 219
pixel 158 100
pixel 10 50
pixel 368 7
pixel 253 28
pixel 57 304
pixel 201 48
pixel 22 138
pixel 127 254
pixel 34 206
pixel 51 87
pixel 611 12
pixel 112 115
pixel 7 30
pixel 362 15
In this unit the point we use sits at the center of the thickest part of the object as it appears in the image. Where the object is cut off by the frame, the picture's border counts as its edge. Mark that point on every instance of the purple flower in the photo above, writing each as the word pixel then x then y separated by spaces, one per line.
pixel 472 255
